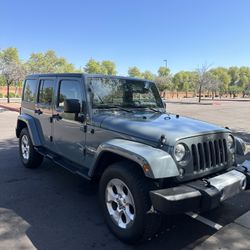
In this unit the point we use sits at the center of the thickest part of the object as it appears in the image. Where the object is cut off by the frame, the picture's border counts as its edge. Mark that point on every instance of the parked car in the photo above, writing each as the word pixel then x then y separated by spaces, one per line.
pixel 117 132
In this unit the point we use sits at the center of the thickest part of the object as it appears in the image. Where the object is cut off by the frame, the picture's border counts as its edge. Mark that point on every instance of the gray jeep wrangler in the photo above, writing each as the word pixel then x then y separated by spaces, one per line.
pixel 115 130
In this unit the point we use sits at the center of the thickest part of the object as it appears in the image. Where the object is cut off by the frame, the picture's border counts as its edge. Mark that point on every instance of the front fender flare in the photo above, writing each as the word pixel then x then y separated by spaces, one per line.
pixel 31 125
pixel 161 164
pixel 241 148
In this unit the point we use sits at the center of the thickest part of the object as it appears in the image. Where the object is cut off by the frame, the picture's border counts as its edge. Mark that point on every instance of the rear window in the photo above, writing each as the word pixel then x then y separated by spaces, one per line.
pixel 29 93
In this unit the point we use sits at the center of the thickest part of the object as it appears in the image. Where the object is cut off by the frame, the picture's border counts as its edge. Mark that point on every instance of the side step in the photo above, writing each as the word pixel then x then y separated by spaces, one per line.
pixel 70 166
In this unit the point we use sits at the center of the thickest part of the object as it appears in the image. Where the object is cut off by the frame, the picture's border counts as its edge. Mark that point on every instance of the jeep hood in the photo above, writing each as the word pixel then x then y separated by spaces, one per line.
pixel 153 126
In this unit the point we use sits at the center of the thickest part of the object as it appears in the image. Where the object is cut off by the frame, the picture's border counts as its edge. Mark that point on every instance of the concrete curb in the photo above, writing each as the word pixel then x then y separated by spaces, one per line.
pixel 190 103
pixel 9 108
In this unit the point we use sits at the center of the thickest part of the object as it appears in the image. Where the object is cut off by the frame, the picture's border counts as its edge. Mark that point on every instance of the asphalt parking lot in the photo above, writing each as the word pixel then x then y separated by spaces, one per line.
pixel 49 208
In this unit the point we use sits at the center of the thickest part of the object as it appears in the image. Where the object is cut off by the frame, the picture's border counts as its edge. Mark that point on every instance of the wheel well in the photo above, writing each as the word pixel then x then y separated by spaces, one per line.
pixel 20 125
pixel 108 158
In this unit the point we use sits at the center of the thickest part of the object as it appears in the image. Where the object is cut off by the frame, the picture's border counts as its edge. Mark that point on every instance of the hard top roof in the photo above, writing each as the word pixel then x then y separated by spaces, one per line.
pixel 79 75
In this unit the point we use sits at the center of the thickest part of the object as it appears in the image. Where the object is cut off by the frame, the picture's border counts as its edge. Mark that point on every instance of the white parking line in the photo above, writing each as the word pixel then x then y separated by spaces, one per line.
pixel 204 220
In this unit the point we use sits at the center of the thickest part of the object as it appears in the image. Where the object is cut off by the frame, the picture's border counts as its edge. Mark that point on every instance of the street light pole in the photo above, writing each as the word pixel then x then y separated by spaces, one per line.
pixel 166 61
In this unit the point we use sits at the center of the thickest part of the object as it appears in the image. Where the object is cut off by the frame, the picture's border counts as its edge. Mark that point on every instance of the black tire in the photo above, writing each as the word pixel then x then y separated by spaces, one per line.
pixel 33 159
pixel 146 221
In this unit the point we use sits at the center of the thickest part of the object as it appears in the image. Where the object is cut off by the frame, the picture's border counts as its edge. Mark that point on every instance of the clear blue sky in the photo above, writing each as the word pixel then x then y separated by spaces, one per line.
pixel 187 33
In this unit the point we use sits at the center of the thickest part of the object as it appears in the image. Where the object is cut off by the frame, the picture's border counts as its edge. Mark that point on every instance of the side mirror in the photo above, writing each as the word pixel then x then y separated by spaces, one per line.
pixel 164 103
pixel 72 106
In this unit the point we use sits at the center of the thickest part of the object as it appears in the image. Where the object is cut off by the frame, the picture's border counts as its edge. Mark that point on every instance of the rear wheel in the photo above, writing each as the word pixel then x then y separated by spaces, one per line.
pixel 29 156
pixel 124 197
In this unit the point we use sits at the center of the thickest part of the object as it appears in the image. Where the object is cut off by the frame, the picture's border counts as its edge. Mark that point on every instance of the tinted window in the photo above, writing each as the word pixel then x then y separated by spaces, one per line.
pixel 69 89
pixel 46 91
pixel 29 93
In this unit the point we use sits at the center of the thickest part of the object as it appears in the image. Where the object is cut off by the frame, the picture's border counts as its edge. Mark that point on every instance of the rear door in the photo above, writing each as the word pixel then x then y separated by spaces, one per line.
pixel 44 109
pixel 68 135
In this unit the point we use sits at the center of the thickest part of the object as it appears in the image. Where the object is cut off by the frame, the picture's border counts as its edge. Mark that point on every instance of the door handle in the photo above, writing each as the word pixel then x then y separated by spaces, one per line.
pixel 38 111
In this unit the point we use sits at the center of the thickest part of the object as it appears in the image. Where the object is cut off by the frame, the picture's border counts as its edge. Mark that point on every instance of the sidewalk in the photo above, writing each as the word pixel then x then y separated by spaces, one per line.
pixel 234 236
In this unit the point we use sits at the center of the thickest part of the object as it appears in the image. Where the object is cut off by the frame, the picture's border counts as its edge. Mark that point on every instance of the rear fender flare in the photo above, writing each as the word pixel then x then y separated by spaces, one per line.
pixel 31 125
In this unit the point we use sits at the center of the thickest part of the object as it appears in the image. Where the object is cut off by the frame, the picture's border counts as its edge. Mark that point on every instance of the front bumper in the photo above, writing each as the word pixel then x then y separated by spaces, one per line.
pixel 203 194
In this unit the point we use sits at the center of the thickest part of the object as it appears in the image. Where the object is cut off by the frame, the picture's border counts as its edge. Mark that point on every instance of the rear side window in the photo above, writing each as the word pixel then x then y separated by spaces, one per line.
pixel 46 90
pixel 29 93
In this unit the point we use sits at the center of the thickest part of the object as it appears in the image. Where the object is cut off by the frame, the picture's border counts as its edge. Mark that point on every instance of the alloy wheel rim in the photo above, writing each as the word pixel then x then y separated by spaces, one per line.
pixel 25 147
pixel 120 203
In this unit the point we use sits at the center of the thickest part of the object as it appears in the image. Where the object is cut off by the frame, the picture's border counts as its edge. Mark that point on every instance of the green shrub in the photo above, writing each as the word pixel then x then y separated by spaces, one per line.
pixel 1 95
pixel 11 95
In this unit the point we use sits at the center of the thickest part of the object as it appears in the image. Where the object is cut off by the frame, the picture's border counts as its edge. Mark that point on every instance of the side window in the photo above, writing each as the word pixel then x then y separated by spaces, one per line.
pixel 68 89
pixel 29 93
pixel 46 90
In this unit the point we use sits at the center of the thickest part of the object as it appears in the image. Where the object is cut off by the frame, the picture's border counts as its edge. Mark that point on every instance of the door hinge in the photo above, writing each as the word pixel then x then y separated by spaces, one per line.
pixel 85 128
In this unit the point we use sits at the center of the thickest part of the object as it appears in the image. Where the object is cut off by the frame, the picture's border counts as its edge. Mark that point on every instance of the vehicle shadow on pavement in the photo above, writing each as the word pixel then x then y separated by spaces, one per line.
pixel 53 209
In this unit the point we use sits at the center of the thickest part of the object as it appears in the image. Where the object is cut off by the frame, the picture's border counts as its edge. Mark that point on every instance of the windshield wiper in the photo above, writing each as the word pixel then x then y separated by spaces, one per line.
pixel 106 106
pixel 121 108
pixel 150 108
pixel 153 109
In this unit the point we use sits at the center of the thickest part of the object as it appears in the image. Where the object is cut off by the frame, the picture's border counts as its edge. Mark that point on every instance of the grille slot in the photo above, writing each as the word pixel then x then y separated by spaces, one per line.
pixel 209 154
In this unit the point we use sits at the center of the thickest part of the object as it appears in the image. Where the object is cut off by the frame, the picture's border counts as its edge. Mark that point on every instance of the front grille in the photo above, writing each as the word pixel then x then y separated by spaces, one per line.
pixel 209 154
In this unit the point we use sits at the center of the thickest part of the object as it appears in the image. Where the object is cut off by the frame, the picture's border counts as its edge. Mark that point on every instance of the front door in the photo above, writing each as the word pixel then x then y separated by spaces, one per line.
pixel 68 135
pixel 43 109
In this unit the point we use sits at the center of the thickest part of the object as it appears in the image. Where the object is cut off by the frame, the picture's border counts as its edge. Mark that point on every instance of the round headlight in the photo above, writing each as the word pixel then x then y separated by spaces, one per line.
pixel 179 152
pixel 230 141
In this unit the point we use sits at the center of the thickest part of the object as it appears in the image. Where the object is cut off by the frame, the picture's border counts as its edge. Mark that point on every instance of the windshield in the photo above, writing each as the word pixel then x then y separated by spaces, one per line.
pixel 115 92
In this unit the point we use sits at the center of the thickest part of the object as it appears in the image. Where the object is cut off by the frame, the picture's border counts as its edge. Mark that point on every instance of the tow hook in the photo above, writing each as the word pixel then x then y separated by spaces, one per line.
pixel 206 182
pixel 245 169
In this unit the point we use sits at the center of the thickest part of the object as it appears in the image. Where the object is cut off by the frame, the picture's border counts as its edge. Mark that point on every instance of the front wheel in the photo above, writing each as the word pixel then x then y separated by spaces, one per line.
pixel 124 197
pixel 29 156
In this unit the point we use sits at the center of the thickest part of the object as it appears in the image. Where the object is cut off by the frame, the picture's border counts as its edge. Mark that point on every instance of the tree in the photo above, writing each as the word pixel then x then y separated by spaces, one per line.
pixel 163 72
pixel 234 75
pixel 48 62
pixel 108 67
pixel 182 81
pixel 203 78
pixel 222 77
pixel 2 82
pixel 105 67
pixel 244 81
pixel 164 79
pixel 148 75
pixel 93 67
pixel 134 72
pixel 163 83
pixel 11 69
pixel 234 90
pixel 240 79
pixel 213 84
